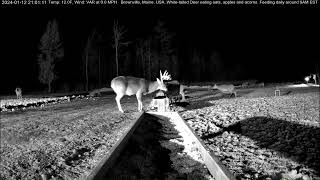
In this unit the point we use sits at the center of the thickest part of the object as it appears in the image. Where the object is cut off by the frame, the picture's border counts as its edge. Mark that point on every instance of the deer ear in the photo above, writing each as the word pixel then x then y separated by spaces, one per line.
pixel 158 80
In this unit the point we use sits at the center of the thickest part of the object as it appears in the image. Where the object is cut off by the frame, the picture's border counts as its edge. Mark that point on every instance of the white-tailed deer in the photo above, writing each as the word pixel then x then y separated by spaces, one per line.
pixel 261 84
pixel 18 92
pixel 226 88
pixel 245 85
pixel 128 85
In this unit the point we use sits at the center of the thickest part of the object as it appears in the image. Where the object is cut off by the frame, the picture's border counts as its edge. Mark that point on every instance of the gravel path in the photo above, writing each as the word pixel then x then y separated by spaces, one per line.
pixel 259 138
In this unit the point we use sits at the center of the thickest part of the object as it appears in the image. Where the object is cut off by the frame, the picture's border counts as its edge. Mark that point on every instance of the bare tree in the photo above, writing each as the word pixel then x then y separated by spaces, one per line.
pixel 148 55
pixel 100 45
pixel 140 57
pixel 317 75
pixel 144 53
pixel 197 64
pixel 163 43
pixel 51 51
pixel 87 49
pixel 118 37
pixel 215 65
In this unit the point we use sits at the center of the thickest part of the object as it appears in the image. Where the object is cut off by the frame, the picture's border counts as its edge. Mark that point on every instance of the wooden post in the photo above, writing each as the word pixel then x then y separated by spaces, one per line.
pixel 162 104
pixel 277 91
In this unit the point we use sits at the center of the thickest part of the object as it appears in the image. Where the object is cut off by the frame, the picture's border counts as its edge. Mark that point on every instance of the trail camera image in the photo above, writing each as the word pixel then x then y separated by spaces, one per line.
pixel 141 89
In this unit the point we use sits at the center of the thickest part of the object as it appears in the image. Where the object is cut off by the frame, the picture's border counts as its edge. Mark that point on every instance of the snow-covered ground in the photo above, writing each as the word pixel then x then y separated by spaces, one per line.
pixel 15 104
pixel 263 137
pixel 255 135
pixel 302 85
pixel 60 140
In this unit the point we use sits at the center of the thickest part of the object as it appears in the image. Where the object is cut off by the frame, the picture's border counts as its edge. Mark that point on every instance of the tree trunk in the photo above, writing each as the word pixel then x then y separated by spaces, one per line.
pixel 317 75
pixel 117 66
pixel 149 70
pixel 87 79
pixel 149 57
pixel 159 57
pixel 49 87
pixel 143 62
pixel 99 69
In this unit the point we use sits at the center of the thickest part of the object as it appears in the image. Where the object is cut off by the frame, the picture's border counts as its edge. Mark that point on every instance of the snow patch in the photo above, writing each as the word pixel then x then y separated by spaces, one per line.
pixel 190 147
pixel 302 85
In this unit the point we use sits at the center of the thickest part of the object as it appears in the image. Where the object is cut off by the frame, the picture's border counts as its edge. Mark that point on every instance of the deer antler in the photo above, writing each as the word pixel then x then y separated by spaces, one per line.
pixel 165 76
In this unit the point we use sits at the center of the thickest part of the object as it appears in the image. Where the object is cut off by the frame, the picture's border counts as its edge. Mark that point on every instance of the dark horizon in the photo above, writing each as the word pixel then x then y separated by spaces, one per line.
pixel 270 44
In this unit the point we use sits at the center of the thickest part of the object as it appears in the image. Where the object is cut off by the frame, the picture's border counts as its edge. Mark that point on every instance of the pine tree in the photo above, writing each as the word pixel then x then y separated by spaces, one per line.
pixel 51 51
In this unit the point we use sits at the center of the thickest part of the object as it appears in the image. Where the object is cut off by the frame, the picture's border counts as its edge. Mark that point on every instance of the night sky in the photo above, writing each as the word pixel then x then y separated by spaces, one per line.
pixel 271 43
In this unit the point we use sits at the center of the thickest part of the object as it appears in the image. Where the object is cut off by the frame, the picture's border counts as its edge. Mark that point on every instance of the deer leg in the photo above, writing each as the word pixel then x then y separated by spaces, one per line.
pixel 182 93
pixel 118 98
pixel 140 105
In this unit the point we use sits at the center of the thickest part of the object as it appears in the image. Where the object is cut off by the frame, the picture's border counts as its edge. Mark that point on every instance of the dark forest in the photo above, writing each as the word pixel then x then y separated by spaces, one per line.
pixel 195 44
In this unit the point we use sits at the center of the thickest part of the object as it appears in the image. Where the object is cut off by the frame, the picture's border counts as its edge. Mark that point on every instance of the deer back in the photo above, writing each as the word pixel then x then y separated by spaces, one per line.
pixel 225 87
pixel 128 85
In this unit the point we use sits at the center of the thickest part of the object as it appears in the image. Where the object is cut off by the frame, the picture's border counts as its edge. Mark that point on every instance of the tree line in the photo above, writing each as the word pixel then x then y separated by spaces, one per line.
pixel 140 56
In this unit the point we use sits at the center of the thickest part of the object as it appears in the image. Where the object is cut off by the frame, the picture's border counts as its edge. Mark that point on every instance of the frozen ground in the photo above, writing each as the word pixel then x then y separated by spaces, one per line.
pixel 255 135
pixel 63 140
pixel 259 136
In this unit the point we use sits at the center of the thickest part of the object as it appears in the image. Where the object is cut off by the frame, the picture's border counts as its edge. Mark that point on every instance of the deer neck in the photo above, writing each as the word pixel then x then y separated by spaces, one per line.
pixel 153 86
